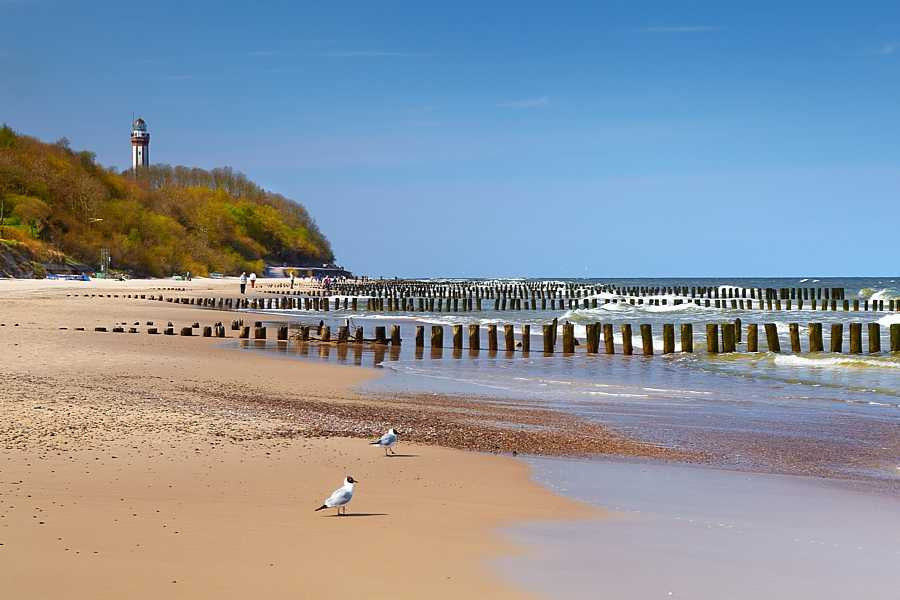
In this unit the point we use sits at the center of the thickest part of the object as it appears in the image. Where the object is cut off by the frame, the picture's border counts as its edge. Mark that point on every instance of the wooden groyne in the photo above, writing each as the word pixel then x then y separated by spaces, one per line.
pixel 719 337
pixel 500 302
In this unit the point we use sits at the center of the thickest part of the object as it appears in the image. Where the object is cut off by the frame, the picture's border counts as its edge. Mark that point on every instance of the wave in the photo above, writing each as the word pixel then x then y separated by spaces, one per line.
pixel 885 294
pixel 837 362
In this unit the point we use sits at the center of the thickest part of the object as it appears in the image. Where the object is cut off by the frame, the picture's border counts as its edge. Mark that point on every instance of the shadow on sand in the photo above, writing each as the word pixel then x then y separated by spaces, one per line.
pixel 360 515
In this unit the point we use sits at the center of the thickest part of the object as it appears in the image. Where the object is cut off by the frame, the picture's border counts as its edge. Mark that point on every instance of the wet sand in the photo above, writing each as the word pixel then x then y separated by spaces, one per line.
pixel 158 466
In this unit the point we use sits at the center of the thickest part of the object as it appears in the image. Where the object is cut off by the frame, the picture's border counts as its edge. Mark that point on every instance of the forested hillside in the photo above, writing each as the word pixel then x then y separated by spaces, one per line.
pixel 163 220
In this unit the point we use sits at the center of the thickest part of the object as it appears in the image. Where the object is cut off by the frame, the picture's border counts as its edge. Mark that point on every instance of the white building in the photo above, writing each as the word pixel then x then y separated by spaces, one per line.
pixel 140 144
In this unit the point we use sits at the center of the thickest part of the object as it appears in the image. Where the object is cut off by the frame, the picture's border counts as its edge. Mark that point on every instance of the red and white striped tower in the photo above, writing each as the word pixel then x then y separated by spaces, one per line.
pixel 140 144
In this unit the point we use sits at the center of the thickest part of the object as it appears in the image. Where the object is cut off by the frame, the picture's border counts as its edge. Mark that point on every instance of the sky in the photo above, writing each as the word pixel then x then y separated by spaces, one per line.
pixel 569 139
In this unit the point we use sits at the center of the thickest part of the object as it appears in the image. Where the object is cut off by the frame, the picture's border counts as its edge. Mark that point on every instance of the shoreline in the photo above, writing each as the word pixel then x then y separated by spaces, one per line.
pixel 114 443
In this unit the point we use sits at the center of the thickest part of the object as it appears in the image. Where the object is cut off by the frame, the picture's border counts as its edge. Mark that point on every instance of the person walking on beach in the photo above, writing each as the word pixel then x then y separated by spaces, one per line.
pixel 252 280
pixel 243 282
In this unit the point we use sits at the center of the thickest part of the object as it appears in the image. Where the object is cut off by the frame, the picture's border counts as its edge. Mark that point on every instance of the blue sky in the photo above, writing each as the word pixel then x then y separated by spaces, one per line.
pixel 504 138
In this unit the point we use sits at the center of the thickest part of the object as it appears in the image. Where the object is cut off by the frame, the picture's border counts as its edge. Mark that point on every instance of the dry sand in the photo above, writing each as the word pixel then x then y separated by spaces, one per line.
pixel 158 466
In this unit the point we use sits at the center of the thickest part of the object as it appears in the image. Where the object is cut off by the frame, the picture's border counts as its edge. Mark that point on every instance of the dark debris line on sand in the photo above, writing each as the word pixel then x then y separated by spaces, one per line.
pixel 100 410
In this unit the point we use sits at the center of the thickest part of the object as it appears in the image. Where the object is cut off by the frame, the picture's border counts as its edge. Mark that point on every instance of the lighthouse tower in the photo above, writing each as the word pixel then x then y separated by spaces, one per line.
pixel 140 144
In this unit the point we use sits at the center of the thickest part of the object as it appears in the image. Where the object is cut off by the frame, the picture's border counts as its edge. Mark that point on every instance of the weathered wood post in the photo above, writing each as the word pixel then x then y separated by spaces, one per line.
pixel 627 345
pixel 282 333
pixel 668 338
pixel 647 339
pixel 772 340
pixel 687 337
pixel 259 333
pixel 728 337
pixel 752 337
pixel 420 336
pixel 855 338
pixel 548 339
pixel 895 337
pixel 509 338
pixel 815 338
pixel 608 342
pixel 794 330
pixel 343 334
pixel 568 338
pixel 326 334
pixel 381 335
pixel 492 337
pixel 437 336
pixel 207 331
pixel 837 337
pixel 737 330
pixel 592 337
pixel 712 338
pixel 874 338
pixel 526 338
pixel 457 335
pixel 474 337
pixel 395 335
pixel 358 336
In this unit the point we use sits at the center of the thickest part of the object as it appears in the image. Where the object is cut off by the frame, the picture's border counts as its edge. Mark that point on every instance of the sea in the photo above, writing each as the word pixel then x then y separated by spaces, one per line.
pixel 806 443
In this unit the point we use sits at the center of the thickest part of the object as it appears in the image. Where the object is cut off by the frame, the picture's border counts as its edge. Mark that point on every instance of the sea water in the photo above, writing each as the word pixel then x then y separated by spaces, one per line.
pixel 825 414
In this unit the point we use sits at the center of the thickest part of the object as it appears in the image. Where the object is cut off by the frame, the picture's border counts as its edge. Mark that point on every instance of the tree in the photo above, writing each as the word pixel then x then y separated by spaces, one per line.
pixel 32 212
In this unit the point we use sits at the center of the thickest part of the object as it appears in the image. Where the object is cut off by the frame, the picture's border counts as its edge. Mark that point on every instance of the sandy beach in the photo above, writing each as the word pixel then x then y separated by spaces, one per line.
pixel 148 466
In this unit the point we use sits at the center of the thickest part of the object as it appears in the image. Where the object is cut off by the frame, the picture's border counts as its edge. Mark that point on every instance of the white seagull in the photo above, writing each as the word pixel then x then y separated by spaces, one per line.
pixel 387 441
pixel 340 497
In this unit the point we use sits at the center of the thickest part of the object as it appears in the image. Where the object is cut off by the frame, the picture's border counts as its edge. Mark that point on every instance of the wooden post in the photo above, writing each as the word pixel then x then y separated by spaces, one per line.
pixel 837 337
pixel 815 337
pixel 794 330
pixel 259 333
pixel 380 335
pixel 772 340
pixel 492 337
pixel 592 337
pixel 526 338
pixel 855 338
pixel 395 335
pixel 207 331
pixel 712 338
pixel 647 339
pixel 437 336
pixel 668 338
pixel 509 338
pixel 874 338
pixel 728 338
pixel 627 347
pixel 457 333
pixel 548 339
pixel 420 336
pixel 568 338
pixel 326 334
pixel 687 337
pixel 474 337
pixel 895 337
pixel 737 330
pixel 608 341
pixel 343 334
pixel 752 337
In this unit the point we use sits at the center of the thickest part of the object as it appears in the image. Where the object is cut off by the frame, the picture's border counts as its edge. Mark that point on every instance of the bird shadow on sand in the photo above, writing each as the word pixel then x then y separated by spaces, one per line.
pixel 359 515
pixel 401 456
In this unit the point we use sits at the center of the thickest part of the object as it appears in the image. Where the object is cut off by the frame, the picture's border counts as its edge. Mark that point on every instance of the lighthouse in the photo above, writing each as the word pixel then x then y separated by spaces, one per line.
pixel 140 144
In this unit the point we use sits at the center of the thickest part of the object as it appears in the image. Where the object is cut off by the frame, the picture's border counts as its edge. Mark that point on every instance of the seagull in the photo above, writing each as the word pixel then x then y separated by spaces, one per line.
pixel 387 441
pixel 340 497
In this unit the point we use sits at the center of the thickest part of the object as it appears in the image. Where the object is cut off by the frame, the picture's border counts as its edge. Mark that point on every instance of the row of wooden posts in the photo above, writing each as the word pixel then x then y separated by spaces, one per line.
pixel 720 337
pixel 422 304
pixel 550 290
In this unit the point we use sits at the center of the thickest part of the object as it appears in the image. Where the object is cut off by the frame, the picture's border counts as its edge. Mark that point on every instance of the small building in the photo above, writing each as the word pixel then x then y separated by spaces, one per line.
pixel 318 272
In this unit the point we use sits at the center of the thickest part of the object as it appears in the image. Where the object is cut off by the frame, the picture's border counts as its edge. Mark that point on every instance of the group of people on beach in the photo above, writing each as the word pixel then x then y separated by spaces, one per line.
pixel 244 279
